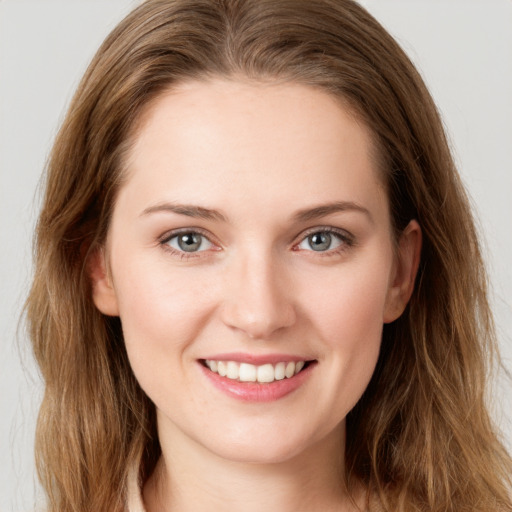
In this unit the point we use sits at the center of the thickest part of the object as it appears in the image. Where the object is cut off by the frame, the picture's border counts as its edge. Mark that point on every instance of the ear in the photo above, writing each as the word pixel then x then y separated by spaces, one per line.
pixel 103 293
pixel 404 273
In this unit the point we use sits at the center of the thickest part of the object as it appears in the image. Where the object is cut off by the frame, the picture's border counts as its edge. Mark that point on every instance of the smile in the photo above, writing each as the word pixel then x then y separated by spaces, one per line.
pixel 257 378
pixel 263 374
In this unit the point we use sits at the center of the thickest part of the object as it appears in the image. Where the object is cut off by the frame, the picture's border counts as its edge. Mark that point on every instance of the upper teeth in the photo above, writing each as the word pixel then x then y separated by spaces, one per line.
pixel 245 372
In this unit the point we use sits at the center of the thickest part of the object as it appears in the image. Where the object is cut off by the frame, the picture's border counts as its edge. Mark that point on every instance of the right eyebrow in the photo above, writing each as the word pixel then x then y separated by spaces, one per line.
pixel 189 210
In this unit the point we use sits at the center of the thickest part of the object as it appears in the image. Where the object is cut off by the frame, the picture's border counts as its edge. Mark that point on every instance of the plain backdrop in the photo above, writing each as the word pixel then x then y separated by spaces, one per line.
pixel 462 47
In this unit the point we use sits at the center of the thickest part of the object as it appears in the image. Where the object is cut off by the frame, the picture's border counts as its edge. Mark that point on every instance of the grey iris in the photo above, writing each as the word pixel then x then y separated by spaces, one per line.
pixel 189 242
pixel 320 241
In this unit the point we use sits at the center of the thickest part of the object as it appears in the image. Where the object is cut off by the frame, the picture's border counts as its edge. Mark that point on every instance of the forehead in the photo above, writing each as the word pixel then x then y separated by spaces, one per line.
pixel 254 104
pixel 255 140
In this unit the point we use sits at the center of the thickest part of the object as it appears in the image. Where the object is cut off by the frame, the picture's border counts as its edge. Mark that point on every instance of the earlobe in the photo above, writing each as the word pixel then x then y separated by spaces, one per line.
pixel 406 268
pixel 103 292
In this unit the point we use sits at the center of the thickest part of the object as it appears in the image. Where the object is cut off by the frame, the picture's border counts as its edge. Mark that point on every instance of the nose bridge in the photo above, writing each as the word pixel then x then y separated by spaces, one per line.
pixel 257 300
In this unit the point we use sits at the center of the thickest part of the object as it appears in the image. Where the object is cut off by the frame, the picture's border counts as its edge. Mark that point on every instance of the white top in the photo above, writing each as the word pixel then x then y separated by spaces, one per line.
pixel 134 496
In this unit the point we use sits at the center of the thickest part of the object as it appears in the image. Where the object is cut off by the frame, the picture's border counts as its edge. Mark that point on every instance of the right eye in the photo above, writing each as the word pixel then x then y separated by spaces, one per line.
pixel 189 241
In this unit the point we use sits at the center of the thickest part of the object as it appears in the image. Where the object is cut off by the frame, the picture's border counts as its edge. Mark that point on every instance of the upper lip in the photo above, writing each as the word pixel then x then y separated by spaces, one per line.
pixel 257 359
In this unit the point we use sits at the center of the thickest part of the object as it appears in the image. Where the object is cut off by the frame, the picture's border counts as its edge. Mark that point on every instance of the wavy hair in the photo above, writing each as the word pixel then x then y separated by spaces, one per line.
pixel 420 438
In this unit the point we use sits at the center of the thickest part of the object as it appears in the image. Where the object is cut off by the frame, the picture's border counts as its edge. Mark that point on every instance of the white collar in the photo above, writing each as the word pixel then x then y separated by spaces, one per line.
pixel 134 494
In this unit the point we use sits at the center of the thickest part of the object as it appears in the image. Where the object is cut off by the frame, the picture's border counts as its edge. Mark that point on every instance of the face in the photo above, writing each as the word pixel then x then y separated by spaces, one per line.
pixel 251 261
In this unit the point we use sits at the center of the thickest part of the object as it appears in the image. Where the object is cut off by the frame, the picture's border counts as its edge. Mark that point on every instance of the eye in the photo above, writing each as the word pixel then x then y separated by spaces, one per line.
pixel 189 241
pixel 322 241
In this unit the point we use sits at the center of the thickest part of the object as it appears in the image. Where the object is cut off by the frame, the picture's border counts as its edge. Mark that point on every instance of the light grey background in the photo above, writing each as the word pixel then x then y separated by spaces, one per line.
pixel 462 47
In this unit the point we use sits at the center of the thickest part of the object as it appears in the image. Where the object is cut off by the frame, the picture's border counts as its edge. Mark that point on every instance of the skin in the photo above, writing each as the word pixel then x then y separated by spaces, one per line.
pixel 257 154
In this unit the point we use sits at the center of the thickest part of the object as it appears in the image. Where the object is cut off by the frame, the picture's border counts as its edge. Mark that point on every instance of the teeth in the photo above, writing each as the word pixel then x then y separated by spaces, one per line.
pixel 222 368
pixel 248 373
pixel 279 371
pixel 290 370
pixel 245 372
pixel 265 373
pixel 232 370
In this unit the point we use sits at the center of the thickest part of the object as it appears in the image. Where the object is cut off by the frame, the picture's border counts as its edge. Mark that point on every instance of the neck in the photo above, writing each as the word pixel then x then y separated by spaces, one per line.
pixel 188 477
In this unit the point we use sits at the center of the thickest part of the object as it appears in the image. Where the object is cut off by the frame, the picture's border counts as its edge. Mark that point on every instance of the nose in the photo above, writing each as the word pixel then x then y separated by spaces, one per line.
pixel 257 298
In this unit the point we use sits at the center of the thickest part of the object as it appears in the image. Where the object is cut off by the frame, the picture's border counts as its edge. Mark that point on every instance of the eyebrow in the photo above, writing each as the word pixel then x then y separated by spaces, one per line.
pixel 327 209
pixel 189 210
pixel 305 215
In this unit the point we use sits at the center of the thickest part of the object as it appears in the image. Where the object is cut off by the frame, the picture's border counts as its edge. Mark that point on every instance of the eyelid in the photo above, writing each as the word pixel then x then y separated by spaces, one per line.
pixel 169 235
pixel 347 237
pixel 175 232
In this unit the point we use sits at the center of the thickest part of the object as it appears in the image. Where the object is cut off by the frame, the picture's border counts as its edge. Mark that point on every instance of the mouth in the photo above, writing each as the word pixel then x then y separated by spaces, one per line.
pixel 251 373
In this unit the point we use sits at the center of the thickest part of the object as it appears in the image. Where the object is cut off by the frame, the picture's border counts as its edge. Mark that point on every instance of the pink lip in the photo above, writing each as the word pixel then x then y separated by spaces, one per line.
pixel 253 391
pixel 257 360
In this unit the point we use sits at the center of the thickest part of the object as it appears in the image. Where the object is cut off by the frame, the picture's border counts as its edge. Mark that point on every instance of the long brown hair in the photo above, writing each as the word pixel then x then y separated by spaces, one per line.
pixel 420 438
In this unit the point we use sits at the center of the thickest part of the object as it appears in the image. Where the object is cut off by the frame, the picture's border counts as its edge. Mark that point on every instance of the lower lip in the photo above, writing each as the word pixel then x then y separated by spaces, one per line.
pixel 256 392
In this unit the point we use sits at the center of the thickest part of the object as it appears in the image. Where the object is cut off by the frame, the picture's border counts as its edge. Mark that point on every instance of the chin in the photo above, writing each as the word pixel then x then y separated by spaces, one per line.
pixel 272 446
pixel 249 453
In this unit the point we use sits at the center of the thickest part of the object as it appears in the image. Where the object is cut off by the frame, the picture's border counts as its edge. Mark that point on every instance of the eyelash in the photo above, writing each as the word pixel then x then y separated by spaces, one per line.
pixel 167 237
pixel 347 241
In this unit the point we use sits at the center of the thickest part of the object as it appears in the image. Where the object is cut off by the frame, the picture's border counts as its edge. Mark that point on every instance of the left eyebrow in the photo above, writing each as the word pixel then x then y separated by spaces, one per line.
pixel 329 208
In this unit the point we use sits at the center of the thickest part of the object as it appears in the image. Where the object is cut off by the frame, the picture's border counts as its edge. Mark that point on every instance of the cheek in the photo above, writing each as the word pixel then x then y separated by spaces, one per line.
pixel 160 309
pixel 348 315
pixel 350 306
pixel 162 314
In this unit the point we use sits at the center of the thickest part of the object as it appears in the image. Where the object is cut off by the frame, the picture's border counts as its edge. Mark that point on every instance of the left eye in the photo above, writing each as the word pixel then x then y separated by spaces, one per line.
pixel 321 241
pixel 189 242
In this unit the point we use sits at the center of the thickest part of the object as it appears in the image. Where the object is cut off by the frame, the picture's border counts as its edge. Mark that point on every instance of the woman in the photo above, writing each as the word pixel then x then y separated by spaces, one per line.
pixel 258 283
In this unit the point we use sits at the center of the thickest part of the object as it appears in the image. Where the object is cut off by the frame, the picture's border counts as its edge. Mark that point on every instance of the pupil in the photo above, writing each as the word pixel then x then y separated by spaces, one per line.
pixel 189 242
pixel 320 241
